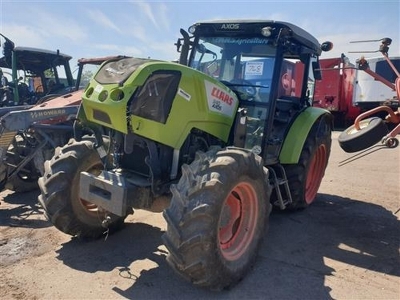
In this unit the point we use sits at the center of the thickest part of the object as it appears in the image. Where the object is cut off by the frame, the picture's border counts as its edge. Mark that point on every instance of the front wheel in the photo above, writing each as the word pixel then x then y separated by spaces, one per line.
pixel 59 188
pixel 217 217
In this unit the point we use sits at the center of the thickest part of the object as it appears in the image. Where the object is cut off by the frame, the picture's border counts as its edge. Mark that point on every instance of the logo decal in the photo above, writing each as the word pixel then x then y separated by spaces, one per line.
pixel 184 95
pixel 47 113
pixel 221 95
pixel 220 100
pixel 231 26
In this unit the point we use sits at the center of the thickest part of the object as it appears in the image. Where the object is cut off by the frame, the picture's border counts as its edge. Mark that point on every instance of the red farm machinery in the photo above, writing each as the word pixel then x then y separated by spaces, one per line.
pixel 381 122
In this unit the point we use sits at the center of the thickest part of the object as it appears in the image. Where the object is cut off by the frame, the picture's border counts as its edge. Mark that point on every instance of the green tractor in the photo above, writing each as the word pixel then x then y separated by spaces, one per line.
pixel 226 134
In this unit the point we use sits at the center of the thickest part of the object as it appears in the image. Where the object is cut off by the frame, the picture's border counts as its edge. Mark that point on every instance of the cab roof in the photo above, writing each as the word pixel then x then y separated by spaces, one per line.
pixel 35 60
pixel 252 28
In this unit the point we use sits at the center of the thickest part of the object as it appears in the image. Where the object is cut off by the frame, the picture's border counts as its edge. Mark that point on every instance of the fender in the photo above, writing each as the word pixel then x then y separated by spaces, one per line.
pixel 298 132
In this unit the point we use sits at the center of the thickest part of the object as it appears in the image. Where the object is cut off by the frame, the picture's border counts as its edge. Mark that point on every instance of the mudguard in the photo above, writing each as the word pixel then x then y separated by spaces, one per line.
pixel 298 132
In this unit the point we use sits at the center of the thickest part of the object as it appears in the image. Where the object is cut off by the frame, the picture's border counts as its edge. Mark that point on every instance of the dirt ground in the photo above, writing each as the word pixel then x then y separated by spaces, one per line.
pixel 345 246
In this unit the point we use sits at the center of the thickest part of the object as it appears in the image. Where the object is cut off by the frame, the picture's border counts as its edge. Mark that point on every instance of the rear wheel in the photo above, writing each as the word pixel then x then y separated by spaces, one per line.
pixel 305 177
pixel 217 218
pixel 60 191
pixel 371 131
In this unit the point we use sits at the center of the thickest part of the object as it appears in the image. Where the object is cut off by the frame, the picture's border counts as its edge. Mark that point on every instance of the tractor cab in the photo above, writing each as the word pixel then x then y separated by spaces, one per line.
pixel 271 66
pixel 34 74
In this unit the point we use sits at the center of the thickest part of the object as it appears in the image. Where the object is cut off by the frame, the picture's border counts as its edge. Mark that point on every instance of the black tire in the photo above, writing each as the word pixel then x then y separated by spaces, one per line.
pixel 207 244
pixel 59 188
pixel 372 130
pixel 305 177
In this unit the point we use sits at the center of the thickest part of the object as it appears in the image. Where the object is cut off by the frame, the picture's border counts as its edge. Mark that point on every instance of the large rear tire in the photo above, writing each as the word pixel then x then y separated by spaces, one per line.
pixel 371 131
pixel 217 217
pixel 59 188
pixel 305 177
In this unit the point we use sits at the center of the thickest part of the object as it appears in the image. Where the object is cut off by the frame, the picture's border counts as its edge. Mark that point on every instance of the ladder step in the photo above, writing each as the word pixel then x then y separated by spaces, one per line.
pixel 279 179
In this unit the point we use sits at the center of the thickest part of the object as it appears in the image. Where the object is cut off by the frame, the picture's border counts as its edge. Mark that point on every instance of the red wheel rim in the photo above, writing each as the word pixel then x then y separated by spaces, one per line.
pixel 238 221
pixel 315 173
pixel 89 207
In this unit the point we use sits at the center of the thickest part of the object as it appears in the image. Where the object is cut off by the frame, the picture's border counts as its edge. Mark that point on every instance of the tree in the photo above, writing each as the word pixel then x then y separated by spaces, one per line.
pixel 86 76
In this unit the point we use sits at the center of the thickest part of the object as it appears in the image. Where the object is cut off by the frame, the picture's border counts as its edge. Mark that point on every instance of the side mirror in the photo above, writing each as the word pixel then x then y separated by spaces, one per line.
pixel 326 46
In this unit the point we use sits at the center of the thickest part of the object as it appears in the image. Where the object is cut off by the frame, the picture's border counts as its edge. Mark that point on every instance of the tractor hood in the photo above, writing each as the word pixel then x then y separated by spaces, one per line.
pixel 159 100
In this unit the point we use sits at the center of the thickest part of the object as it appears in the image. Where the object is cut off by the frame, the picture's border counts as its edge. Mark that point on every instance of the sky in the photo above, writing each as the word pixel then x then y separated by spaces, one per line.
pixel 151 28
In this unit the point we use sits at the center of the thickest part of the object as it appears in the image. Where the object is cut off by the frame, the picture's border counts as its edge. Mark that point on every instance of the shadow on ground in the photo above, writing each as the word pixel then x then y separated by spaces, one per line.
pixel 22 210
pixel 291 262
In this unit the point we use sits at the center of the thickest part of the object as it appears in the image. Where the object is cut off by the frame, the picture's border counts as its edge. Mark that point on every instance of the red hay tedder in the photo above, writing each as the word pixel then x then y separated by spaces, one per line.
pixel 368 129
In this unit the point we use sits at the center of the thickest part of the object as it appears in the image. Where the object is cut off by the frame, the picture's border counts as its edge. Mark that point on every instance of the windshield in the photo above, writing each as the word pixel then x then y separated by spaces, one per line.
pixel 244 64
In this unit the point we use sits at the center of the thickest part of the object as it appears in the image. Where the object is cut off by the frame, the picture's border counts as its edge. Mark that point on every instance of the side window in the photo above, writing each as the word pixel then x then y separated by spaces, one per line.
pixel 207 59
pixel 154 99
pixel 289 82
pixel 56 78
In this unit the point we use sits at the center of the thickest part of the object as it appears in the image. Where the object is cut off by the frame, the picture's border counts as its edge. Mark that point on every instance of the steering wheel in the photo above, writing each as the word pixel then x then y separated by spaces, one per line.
pixel 244 88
